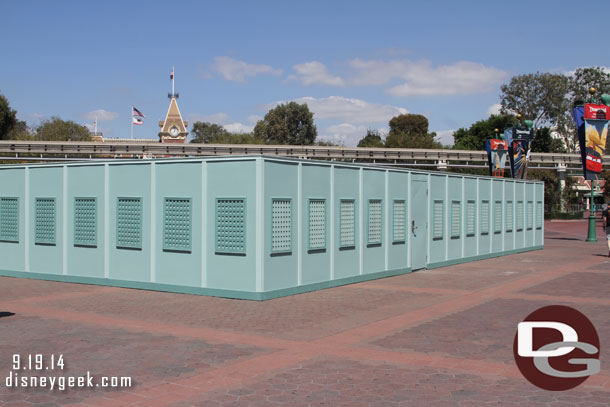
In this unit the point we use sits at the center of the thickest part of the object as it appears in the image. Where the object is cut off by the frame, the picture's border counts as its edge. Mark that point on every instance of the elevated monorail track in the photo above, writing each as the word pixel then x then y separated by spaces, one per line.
pixel 15 150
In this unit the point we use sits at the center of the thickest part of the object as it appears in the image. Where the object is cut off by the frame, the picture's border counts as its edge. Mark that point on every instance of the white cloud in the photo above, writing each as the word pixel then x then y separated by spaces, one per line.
pixel 422 78
pixel 238 128
pixel 460 78
pixel 494 109
pixel 217 118
pixel 445 137
pixel 237 71
pixel 101 114
pixel 344 133
pixel 348 110
pixel 315 73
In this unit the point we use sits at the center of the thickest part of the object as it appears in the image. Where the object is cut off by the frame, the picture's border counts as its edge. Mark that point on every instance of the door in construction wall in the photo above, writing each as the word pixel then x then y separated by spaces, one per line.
pixel 418 225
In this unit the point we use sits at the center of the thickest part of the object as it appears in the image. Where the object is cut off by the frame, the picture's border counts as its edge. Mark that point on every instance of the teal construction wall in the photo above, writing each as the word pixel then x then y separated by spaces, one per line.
pixel 252 227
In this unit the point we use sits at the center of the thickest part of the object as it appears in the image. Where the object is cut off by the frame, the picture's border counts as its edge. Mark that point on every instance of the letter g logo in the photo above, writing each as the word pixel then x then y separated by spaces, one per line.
pixel 556 348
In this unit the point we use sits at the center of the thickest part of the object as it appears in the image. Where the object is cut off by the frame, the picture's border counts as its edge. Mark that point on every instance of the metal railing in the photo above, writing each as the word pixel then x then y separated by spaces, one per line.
pixel 58 150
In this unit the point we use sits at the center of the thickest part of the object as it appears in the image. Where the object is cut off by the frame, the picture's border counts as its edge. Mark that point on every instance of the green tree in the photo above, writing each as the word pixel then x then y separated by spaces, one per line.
pixel 544 143
pixel 585 78
pixel 57 129
pixel 327 143
pixel 291 123
pixel 474 137
pixel 20 131
pixel 372 139
pixel 411 131
pixel 541 97
pixel 203 132
pixel 234 138
pixel 8 118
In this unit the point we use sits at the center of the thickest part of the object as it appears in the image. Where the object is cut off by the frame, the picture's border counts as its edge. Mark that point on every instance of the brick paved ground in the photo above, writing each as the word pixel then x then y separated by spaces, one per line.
pixel 440 337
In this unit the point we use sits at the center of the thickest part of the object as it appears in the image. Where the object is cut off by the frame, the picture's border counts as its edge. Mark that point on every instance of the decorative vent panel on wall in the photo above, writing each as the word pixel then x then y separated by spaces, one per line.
pixel 539 215
pixel 9 219
pixel 456 218
pixel 44 221
pixel 470 218
pixel 400 221
pixel 177 224
pixel 437 220
pixel 317 224
pixel 519 216
pixel 129 223
pixel 530 215
pixel 347 221
pixel 231 226
pixel 485 217
pixel 374 236
pixel 498 217
pixel 281 225
pixel 85 222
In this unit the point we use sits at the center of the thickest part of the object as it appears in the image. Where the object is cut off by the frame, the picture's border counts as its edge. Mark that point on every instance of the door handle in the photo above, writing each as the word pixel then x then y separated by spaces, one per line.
pixel 413 227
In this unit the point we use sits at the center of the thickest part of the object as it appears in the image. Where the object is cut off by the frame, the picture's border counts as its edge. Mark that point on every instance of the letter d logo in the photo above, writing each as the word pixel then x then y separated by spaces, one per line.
pixel 526 338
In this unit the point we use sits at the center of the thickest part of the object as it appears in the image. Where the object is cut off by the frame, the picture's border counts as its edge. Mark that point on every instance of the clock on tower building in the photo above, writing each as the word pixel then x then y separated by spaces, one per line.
pixel 173 128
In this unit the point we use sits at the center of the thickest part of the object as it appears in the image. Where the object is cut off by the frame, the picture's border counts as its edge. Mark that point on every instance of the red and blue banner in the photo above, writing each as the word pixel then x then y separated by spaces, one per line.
pixel 496 156
pixel 592 123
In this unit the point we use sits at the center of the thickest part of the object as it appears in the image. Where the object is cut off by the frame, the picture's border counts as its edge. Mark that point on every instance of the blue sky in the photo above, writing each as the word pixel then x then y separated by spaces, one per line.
pixel 356 64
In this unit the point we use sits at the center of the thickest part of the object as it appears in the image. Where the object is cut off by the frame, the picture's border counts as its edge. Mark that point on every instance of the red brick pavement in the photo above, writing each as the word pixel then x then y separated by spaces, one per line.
pixel 440 337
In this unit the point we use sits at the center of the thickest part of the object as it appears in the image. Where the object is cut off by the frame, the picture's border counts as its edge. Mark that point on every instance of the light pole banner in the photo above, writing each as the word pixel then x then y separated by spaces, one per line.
pixel 519 151
pixel 592 122
pixel 496 156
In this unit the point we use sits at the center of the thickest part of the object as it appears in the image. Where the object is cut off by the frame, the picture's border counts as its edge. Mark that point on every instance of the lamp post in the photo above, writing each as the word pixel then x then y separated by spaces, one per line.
pixel 591 235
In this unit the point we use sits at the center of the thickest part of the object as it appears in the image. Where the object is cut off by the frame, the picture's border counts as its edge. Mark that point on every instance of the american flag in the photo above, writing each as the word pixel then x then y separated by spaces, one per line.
pixel 171 75
pixel 136 112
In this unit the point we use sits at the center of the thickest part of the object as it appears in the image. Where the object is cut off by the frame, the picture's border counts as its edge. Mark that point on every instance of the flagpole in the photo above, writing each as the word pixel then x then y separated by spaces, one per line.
pixel 131 115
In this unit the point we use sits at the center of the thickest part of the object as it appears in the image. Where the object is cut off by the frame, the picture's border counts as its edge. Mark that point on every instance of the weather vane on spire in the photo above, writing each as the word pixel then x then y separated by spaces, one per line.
pixel 172 95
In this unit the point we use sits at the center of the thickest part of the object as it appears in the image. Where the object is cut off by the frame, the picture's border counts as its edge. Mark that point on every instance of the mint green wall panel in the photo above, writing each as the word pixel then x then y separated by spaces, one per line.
pixel 454 195
pixel 470 208
pixel 85 228
pixel 519 214
pixel 529 222
pixel 179 181
pixel 497 216
pixel 374 189
pixel 231 179
pixel 48 183
pixel 130 181
pixel 437 241
pixel 509 215
pixel 12 184
pixel 346 259
pixel 539 221
pixel 398 242
pixel 316 261
pixel 281 267
pixel 484 216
